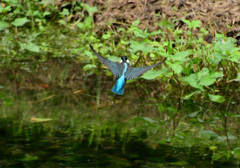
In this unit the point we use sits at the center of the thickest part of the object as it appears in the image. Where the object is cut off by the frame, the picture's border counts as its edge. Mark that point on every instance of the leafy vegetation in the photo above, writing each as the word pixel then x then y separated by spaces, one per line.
pixel 195 94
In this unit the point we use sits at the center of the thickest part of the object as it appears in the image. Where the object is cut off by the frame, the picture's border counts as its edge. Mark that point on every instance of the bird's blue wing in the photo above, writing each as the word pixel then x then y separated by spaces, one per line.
pixel 113 66
pixel 134 72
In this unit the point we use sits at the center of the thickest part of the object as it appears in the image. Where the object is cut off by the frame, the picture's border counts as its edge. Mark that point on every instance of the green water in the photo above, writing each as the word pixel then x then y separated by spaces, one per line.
pixel 122 131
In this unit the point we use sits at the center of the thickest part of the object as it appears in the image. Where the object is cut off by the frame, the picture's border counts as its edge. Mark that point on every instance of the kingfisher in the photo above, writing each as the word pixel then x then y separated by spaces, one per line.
pixel 123 71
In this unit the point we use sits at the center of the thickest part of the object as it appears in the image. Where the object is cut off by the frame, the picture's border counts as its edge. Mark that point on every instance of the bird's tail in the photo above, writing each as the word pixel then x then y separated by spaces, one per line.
pixel 116 91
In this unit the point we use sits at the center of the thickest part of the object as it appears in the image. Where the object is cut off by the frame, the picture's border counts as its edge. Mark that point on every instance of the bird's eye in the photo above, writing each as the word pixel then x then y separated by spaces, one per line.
pixel 127 61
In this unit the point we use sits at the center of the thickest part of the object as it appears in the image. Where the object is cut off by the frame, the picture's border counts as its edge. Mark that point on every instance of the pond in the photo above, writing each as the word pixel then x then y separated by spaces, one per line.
pixel 56 119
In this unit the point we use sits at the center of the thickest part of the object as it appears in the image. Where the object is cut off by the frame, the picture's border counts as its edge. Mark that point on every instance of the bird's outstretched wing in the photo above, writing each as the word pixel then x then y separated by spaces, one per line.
pixel 113 66
pixel 134 72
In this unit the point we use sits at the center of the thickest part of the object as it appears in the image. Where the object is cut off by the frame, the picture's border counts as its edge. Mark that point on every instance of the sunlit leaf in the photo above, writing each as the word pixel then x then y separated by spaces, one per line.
pixel 176 67
pixel 65 12
pixel 89 66
pixel 106 36
pixel 191 94
pixel 114 58
pixel 20 21
pixel 33 119
pixel 193 81
pixel 207 134
pixel 196 23
pixel 3 25
pixel 137 46
pixel 180 56
pixel 152 74
pixel 216 75
pixel 28 158
pixel 206 81
pixel 203 73
pixel 149 120
pixel 136 23
pixel 238 76
pixel 89 9
pixel 216 98
pixel 33 47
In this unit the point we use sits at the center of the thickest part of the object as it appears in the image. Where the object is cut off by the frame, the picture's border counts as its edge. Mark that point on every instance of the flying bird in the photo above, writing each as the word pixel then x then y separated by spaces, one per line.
pixel 123 71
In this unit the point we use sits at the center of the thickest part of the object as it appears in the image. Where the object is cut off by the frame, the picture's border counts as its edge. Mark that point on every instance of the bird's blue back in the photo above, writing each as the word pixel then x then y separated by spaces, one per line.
pixel 118 88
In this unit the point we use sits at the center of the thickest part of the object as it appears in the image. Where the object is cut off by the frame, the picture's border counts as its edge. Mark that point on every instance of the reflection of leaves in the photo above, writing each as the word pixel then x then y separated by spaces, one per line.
pixel 216 98
pixel 20 21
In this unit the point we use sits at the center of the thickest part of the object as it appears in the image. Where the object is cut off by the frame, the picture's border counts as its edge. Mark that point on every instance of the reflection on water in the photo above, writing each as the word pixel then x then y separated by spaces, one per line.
pixel 51 123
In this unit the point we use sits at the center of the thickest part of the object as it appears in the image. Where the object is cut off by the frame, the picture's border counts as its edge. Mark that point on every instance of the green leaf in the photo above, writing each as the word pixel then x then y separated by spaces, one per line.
pixel 191 94
pixel 136 23
pixel 237 152
pixel 5 9
pixel 196 23
pixel 176 67
pixel 30 47
pixel 180 56
pixel 152 74
pixel 89 9
pixel 33 47
pixel 40 119
pixel 3 25
pixel 137 46
pixel 187 22
pixel 206 78
pixel 238 76
pixel 20 21
pixel 65 12
pixel 114 58
pixel 193 81
pixel 106 36
pixel 216 75
pixel 216 98
pixel 207 134
pixel 89 66
pixel 203 73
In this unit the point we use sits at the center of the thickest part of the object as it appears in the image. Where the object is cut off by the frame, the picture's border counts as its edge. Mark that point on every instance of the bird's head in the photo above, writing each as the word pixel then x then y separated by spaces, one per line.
pixel 124 59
